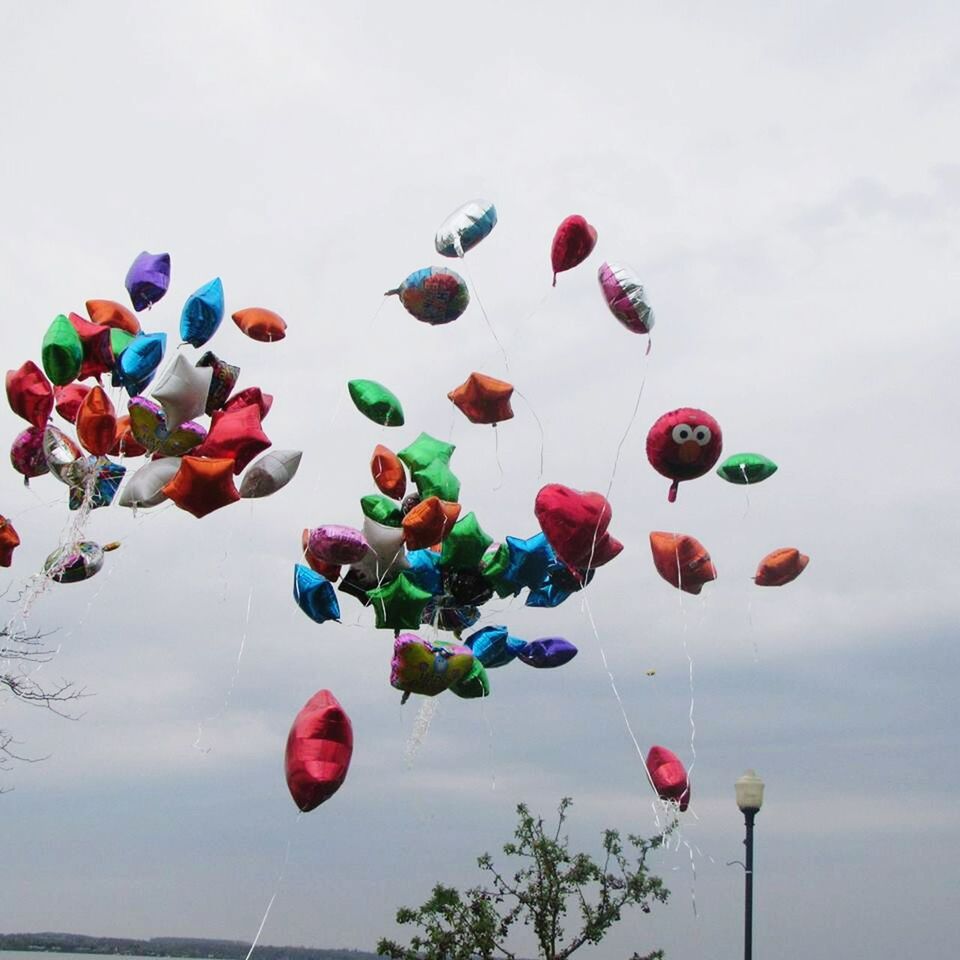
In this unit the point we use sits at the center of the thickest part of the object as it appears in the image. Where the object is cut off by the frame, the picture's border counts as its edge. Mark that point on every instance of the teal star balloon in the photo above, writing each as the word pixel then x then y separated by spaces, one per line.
pixel 437 480
pixel 424 450
pixel 399 605
pixel 528 562
pixel 465 545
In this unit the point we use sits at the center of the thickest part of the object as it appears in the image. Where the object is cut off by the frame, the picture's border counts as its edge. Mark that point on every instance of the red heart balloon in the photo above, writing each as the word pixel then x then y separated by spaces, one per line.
pixel 576 523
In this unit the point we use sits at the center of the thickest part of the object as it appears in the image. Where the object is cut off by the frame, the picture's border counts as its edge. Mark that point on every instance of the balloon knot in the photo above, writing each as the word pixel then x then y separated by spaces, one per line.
pixel 395 292
pixel 405 697
pixel 672 494
pixel 554 279
pixel 649 345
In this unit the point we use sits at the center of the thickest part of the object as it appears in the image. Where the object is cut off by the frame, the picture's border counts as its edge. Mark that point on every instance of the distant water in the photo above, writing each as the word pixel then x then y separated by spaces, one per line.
pixel 57 955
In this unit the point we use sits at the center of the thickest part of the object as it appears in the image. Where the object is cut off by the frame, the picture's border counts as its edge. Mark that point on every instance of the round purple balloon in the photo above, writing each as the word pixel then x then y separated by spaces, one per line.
pixel 548 652
pixel 337 544
pixel 26 454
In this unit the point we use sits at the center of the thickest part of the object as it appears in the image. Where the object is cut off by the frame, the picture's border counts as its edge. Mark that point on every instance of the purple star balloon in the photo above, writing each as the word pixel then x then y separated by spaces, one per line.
pixel 148 279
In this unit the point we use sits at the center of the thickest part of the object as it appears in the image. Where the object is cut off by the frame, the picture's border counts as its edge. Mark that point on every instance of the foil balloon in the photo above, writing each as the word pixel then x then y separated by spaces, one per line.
pixel 202 314
pixel 399 604
pixel 334 543
pixel 314 594
pixel 137 364
pixel 669 776
pixel 94 482
pixel 683 445
pixel 425 667
pixel 424 571
pixel 424 450
pixel 68 400
pixel 465 545
pixel 381 509
pixel 376 402
pixel 434 295
pixel 251 397
pixel 61 352
pixel 625 297
pixel 465 228
pixel 386 556
pixel 272 472
pixel 201 486
pixel 108 313
pixel 483 399
pixel 575 524
pixel 77 562
pixel 97 422
pixel 329 570
pixel 547 653
pixel 182 391
pixel 437 480
pixel 428 522
pixel 149 427
pixel 27 454
pixel 260 324
pixel 388 473
pixel 744 468
pixel 474 685
pixel 147 279
pixel 223 379
pixel 145 487
pixel 60 453
pixel 572 244
pixel 9 541
pixel 319 748
pixel 780 567
pixel 97 345
pixel 682 561
pixel 494 647
pixel 30 394
pixel 125 444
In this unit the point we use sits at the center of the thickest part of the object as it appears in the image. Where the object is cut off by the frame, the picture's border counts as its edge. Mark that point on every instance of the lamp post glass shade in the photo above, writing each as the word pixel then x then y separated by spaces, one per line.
pixel 749 792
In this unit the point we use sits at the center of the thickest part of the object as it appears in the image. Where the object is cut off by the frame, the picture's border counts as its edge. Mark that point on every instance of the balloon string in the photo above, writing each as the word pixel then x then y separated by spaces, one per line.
pixel 490 744
pixel 276 890
pixel 686 651
pixel 539 426
pixel 496 453
pixel 493 333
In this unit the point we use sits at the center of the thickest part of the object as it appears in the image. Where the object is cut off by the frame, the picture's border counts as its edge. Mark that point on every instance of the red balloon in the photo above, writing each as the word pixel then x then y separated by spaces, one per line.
pixel 26 453
pixel 326 569
pixel 30 394
pixel 683 445
pixel 669 776
pixel 483 399
pixel 202 486
pixel 235 433
pixel 572 244
pixel 9 541
pixel 68 400
pixel 319 748
pixel 97 350
pixel 97 423
pixel 682 561
pixel 125 444
pixel 575 523
pixel 252 396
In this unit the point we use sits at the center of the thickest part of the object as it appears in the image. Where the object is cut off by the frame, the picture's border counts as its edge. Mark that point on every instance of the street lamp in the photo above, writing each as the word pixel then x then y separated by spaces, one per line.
pixel 749 799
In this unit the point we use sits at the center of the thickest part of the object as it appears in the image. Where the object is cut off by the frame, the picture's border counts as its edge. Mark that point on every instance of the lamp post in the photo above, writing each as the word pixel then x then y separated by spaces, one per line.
pixel 749 799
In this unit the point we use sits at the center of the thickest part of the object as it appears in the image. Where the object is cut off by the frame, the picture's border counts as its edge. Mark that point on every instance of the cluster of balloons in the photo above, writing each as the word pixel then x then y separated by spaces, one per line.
pixel 188 462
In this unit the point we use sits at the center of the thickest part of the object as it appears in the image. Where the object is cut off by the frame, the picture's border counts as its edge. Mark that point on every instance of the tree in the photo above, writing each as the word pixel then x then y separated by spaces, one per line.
pixel 550 881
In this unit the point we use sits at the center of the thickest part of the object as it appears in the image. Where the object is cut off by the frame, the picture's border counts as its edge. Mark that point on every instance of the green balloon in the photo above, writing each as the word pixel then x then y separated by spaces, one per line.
pixel 465 545
pixel 376 402
pixel 62 352
pixel 747 468
pixel 424 450
pixel 474 684
pixel 437 480
pixel 119 340
pixel 493 567
pixel 399 605
pixel 382 510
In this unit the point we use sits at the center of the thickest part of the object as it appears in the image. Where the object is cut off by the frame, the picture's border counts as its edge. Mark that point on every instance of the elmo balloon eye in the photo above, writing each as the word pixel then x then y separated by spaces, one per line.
pixel 681 432
pixel 702 435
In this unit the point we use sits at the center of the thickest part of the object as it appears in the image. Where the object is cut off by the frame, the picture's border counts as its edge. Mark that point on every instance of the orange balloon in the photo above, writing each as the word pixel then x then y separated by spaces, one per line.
pixel 125 444
pixel 483 399
pixel 682 561
pixel 201 486
pixel 260 324
pixel 780 567
pixel 108 313
pixel 97 422
pixel 428 522
pixel 9 541
pixel 388 472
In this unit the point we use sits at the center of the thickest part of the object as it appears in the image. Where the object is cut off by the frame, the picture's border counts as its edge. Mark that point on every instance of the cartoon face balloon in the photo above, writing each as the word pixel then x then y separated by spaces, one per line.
pixel 683 445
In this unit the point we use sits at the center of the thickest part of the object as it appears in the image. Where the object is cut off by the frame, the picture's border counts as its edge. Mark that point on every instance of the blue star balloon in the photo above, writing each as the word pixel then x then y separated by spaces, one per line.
pixel 202 313
pixel 314 594
pixel 139 361
pixel 424 571
pixel 528 562
pixel 98 478
pixel 494 647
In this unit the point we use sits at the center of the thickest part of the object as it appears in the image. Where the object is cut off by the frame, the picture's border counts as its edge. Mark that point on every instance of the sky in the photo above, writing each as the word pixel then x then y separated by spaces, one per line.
pixel 786 181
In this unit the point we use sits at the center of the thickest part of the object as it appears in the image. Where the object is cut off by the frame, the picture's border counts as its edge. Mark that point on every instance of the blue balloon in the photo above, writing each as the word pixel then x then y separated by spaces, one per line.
pixel 314 594
pixel 528 561
pixel 97 478
pixel 424 571
pixel 494 647
pixel 202 314
pixel 548 652
pixel 139 362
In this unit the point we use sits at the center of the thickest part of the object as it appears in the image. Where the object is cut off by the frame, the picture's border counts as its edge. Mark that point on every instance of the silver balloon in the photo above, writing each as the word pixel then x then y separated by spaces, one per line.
pixel 61 454
pixel 465 228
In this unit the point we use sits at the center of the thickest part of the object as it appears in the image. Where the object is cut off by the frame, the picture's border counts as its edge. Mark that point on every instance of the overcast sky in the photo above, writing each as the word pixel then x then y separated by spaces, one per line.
pixel 786 180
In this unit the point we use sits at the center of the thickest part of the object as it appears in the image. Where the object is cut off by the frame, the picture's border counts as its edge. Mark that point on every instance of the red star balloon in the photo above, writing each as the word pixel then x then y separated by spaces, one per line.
pixel 9 541
pixel 683 445
pixel 202 486
pixel 68 400
pixel 97 423
pixel 97 351
pixel 30 394
pixel 235 434
pixel 483 399
pixel 252 396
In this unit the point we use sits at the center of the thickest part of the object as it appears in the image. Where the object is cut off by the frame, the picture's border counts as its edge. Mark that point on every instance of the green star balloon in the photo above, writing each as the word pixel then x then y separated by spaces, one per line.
pixel 437 480
pixel 747 468
pixel 381 510
pixel 61 352
pixel 475 684
pixel 119 340
pixel 399 605
pixel 465 545
pixel 493 566
pixel 424 450
pixel 376 402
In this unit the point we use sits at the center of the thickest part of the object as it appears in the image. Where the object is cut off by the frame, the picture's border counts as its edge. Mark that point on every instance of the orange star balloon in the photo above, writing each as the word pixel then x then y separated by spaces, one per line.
pixel 97 423
pixel 9 541
pixel 682 561
pixel 428 522
pixel 108 313
pixel 202 486
pixel 483 399
pixel 260 324
pixel 780 567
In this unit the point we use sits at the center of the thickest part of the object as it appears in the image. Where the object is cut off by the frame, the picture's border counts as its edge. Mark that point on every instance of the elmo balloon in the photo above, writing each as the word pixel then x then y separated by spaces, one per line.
pixel 319 748
pixel 683 445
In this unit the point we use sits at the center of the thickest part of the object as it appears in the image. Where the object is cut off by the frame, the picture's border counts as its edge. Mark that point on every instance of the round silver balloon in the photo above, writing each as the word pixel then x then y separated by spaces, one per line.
pixel 61 453
pixel 465 228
